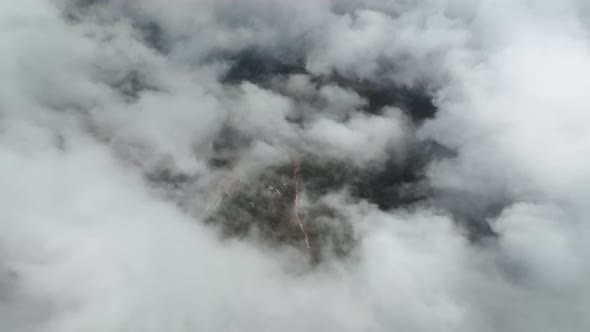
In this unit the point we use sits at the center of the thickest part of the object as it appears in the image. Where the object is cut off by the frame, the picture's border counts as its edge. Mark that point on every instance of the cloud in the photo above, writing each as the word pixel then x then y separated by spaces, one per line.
pixel 165 164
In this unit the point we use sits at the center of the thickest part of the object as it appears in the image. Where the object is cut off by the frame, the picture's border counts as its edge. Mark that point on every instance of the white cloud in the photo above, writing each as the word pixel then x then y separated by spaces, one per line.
pixel 88 244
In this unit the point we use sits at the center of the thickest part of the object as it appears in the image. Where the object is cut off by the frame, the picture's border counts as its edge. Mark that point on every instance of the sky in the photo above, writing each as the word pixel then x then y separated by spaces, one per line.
pixel 267 165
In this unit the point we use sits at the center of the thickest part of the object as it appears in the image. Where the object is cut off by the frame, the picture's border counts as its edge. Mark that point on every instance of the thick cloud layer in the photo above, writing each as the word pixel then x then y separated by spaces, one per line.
pixel 266 165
